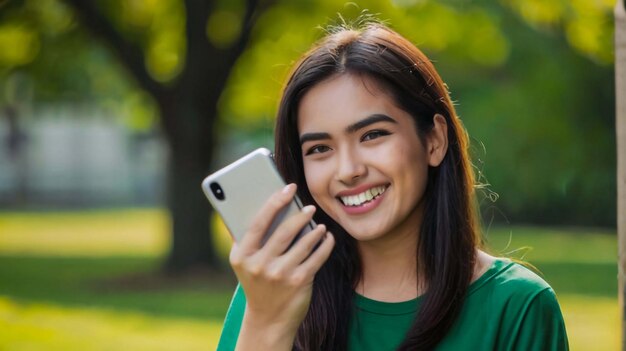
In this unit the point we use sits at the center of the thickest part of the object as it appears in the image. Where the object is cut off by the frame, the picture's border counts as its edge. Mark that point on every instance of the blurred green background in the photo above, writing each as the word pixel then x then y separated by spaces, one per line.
pixel 111 113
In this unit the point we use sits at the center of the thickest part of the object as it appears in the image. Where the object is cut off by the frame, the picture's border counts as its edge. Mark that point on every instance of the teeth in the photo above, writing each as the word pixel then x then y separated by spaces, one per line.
pixel 359 199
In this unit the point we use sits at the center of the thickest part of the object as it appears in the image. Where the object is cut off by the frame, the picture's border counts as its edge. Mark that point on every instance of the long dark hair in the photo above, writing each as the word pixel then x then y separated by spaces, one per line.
pixel 448 236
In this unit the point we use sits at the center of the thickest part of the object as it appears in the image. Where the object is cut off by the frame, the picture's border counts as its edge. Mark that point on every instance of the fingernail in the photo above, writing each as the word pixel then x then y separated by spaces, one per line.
pixel 308 209
pixel 287 188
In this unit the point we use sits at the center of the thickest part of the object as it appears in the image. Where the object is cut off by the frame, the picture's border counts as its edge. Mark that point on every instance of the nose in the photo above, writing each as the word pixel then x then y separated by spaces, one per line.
pixel 350 167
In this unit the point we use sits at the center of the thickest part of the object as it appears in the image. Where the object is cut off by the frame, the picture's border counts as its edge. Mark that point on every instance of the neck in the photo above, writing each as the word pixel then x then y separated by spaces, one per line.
pixel 389 268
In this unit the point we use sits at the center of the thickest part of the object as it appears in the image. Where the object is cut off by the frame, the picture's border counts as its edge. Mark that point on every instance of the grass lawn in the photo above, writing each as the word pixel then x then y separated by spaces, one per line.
pixel 72 281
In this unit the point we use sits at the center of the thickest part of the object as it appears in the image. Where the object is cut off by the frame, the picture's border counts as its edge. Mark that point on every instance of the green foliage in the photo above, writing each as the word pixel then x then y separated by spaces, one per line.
pixel 23 41
pixel 288 29
pixel 546 120
pixel 532 79
pixel 68 66
pixel 585 23
pixel 158 27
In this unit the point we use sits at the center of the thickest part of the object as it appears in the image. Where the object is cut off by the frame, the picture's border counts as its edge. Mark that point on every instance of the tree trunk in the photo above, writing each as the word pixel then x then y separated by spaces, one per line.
pixel 191 141
pixel 190 211
pixel 620 127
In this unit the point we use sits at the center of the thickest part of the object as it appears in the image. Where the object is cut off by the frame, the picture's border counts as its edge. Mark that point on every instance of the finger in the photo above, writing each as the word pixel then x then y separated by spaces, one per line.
pixel 314 262
pixel 286 232
pixel 304 247
pixel 262 221
pixel 236 258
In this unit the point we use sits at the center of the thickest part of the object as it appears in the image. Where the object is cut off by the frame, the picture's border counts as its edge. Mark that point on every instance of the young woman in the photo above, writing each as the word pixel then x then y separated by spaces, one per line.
pixel 368 137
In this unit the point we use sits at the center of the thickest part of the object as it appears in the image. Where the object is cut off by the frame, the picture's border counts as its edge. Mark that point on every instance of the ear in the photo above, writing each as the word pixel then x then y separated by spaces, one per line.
pixel 437 141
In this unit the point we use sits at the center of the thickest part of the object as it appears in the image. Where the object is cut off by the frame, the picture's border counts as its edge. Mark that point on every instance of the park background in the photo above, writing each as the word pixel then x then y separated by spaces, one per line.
pixel 111 113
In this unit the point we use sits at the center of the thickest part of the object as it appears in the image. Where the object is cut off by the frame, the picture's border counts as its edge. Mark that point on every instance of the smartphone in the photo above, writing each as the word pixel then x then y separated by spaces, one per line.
pixel 239 190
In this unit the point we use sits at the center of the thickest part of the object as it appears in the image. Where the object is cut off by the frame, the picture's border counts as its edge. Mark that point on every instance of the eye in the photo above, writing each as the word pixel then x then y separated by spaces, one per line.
pixel 374 134
pixel 317 149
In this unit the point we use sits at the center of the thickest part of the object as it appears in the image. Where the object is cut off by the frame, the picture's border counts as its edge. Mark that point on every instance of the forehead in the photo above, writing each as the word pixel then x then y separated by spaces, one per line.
pixel 343 99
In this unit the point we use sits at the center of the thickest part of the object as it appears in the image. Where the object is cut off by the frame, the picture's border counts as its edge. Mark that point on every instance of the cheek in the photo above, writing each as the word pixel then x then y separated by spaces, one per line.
pixel 419 174
pixel 319 177
pixel 315 180
pixel 403 157
pixel 411 163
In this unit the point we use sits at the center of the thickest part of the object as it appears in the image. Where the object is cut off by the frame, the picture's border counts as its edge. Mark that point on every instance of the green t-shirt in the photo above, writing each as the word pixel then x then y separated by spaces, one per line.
pixel 507 308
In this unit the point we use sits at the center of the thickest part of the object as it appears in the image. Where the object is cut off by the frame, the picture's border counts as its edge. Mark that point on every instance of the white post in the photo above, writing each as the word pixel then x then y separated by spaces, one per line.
pixel 620 127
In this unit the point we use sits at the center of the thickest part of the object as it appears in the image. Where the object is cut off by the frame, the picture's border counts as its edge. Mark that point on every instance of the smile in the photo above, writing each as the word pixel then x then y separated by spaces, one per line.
pixel 364 197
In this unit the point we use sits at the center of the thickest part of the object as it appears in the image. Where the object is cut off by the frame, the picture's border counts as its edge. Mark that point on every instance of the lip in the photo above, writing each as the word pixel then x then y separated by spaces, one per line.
pixel 366 207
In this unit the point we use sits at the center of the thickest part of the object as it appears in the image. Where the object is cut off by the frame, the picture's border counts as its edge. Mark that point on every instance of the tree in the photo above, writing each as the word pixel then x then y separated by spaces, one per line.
pixel 188 110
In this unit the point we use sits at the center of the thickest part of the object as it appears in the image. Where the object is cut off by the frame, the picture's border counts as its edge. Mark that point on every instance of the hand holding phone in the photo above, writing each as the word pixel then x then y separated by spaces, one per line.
pixel 275 271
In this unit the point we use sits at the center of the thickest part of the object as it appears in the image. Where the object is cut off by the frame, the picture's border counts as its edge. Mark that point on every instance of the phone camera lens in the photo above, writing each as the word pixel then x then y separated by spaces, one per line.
pixel 217 191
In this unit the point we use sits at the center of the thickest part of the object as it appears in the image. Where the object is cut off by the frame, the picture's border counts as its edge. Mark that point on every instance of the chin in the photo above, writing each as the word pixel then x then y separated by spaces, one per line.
pixel 364 235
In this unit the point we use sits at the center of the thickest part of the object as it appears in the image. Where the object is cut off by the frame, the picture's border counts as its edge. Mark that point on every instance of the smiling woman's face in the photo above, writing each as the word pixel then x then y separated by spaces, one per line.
pixel 364 163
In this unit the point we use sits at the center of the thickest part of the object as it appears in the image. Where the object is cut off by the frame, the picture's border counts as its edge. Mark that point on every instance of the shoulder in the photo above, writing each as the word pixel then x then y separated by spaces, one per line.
pixel 519 293
pixel 511 308
pixel 531 314
pixel 513 290
pixel 518 283
pixel 505 274
pixel 514 279
pixel 521 307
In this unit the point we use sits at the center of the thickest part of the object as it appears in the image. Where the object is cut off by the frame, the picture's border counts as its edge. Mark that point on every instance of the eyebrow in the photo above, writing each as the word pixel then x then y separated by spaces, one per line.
pixel 313 136
pixel 369 120
pixel 375 118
